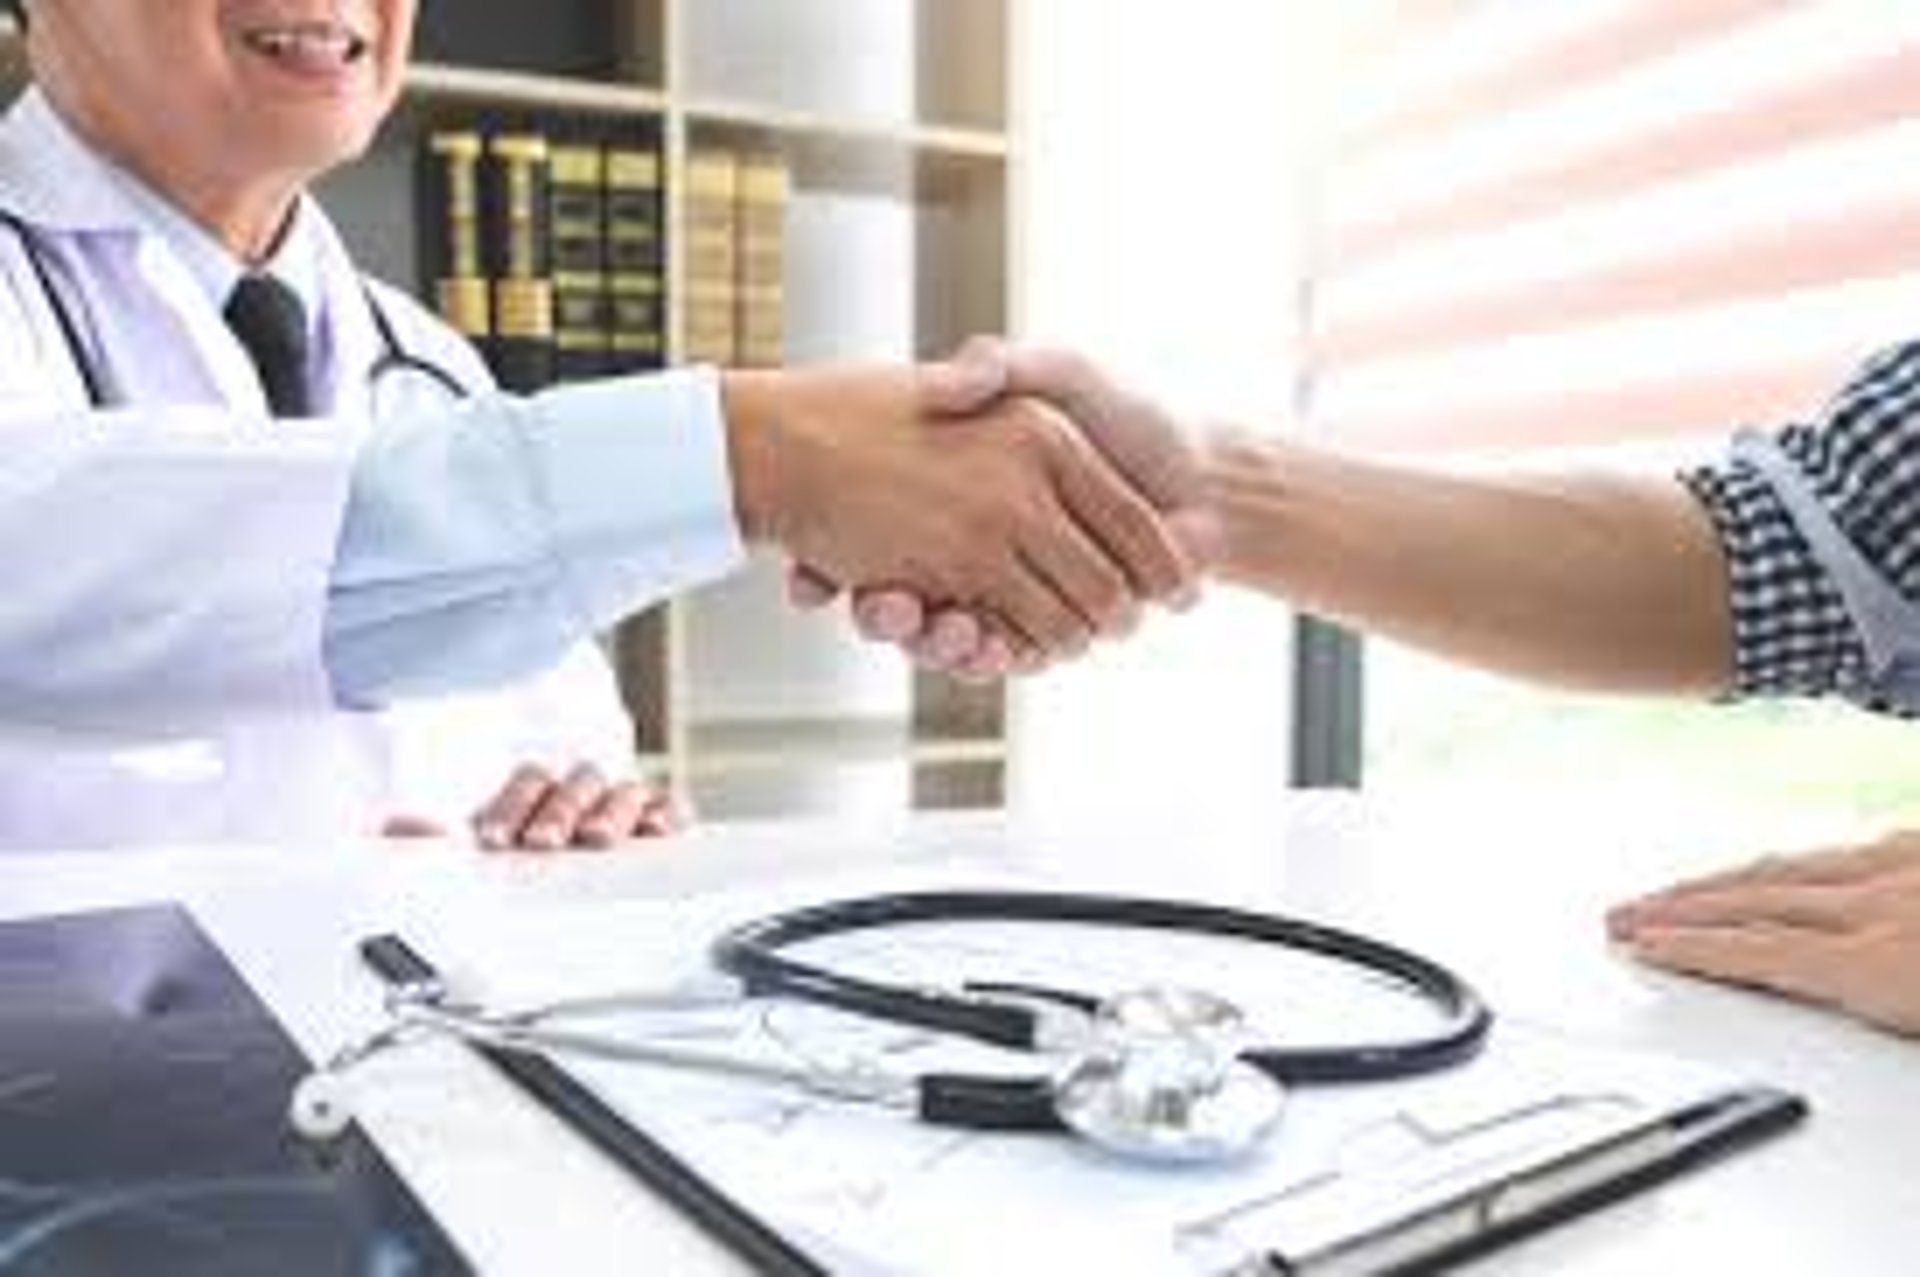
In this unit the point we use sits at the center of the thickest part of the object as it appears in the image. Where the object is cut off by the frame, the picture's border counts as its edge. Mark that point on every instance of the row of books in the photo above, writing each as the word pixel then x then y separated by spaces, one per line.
pixel 548 249
pixel 736 208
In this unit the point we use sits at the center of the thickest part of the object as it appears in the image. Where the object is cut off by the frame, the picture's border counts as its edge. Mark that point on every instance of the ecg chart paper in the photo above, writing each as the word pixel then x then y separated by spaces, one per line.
pixel 868 1190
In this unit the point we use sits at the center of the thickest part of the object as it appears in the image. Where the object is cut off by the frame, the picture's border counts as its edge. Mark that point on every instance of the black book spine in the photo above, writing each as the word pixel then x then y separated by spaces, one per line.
pixel 577 235
pixel 636 256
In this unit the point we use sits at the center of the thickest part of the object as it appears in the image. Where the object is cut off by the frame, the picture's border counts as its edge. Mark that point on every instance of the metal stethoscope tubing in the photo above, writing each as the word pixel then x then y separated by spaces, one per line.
pixel 321 1107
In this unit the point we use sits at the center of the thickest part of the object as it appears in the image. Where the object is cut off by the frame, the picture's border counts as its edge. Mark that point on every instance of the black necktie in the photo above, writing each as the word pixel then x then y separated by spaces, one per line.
pixel 270 321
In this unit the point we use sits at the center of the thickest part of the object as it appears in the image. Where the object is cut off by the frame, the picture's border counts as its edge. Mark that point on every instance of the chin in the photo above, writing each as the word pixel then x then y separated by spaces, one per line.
pixel 316 146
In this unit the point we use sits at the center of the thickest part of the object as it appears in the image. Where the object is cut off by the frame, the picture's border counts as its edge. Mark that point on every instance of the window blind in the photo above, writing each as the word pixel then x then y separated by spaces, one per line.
pixel 1603 221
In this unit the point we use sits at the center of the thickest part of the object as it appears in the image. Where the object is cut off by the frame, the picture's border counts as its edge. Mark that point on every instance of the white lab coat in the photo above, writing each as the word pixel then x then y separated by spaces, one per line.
pixel 216 582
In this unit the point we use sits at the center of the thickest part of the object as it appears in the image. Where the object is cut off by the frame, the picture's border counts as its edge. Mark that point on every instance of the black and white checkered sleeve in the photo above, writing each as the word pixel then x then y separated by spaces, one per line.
pixel 1792 634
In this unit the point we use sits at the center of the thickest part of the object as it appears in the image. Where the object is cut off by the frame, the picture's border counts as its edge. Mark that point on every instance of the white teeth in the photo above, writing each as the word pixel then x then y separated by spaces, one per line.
pixel 311 42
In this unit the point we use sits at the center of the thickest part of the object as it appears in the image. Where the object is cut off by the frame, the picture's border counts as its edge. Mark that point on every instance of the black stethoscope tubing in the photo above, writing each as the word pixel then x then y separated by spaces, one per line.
pixel 752 953
pixel 394 358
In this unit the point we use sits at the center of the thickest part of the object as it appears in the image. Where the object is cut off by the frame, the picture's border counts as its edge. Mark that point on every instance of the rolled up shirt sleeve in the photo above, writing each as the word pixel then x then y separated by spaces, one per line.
pixel 478 549
pixel 1793 633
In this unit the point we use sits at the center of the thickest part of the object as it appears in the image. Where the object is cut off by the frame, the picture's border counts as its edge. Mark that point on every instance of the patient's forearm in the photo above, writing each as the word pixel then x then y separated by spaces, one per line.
pixel 1581 579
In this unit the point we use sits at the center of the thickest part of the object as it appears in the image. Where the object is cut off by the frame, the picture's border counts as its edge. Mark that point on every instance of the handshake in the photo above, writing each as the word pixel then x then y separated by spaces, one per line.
pixel 992 513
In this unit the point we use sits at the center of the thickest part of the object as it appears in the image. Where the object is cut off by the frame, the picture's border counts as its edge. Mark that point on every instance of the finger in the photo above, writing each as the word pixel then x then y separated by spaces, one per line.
pixel 809 588
pixel 556 822
pixel 1202 537
pixel 410 827
pixel 1084 576
pixel 1036 612
pixel 1837 866
pixel 951 640
pixel 498 824
pixel 619 815
pixel 1784 960
pixel 660 818
pixel 1143 544
pixel 962 385
pixel 1817 907
pixel 992 663
pixel 888 615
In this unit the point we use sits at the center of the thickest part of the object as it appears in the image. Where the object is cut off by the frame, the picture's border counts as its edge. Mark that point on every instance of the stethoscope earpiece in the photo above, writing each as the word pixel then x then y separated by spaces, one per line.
pixel 321 1108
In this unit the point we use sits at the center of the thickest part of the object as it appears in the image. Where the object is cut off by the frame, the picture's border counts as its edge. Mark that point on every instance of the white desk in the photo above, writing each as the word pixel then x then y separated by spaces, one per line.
pixel 1511 901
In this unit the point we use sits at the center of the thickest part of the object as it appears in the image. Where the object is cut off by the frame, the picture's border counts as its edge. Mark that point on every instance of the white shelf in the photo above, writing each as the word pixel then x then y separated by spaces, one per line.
pixel 932 139
pixel 761 744
pixel 431 81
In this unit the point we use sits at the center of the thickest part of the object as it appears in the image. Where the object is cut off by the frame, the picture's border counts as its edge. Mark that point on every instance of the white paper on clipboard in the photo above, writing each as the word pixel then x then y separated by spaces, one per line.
pixel 1357 1177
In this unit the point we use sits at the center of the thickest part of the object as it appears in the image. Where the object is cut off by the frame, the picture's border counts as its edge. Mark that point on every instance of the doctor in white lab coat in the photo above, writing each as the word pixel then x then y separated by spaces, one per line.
pixel 149 326
pixel 207 597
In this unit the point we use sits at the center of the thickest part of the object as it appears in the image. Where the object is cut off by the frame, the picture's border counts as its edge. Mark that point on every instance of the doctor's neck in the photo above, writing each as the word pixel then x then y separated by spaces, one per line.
pixel 247 213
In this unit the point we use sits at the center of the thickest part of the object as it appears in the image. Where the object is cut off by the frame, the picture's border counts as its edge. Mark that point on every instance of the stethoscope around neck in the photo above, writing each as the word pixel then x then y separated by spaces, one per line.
pixel 393 367
pixel 1158 1073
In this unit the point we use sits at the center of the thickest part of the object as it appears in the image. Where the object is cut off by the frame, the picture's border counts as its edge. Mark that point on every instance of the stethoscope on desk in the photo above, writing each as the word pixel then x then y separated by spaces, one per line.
pixel 394 373
pixel 1158 1073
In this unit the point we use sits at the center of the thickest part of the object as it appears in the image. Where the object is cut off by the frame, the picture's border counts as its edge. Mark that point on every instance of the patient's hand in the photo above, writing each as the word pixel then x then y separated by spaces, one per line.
pixel 1838 927
pixel 538 812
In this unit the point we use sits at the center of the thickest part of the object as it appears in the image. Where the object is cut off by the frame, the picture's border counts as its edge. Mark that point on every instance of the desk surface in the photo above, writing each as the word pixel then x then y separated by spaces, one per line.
pixel 1512 900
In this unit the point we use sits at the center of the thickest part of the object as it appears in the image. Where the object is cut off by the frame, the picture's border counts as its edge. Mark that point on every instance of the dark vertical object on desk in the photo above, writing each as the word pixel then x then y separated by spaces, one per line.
pixel 514 213
pixel 652 1163
pixel 577 233
pixel 1328 711
pixel 636 253
pixel 453 268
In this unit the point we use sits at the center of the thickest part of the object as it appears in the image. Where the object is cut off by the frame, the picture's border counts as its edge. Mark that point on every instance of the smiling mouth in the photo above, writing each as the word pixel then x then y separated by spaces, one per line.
pixel 308 44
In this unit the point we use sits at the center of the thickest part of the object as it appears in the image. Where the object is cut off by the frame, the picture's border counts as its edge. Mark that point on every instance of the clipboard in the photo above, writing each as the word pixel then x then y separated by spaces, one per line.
pixel 1627 1138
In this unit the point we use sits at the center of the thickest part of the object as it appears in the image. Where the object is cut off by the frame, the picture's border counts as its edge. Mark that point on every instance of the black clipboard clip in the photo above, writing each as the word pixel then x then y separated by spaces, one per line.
pixel 714 1211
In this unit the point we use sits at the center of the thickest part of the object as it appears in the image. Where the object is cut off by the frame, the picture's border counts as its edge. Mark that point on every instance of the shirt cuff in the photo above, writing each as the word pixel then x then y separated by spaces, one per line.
pixel 634 476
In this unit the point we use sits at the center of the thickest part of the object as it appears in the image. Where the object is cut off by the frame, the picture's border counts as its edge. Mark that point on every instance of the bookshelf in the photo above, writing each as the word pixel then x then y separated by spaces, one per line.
pixel 892 120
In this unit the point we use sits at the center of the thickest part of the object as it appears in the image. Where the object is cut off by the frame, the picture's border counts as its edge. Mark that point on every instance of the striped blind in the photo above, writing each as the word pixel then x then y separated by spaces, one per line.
pixel 1577 222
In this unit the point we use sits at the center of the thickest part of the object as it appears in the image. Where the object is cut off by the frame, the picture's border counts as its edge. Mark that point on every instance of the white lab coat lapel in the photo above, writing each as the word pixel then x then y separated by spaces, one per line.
pixel 221 372
pixel 133 297
pixel 313 773
pixel 357 343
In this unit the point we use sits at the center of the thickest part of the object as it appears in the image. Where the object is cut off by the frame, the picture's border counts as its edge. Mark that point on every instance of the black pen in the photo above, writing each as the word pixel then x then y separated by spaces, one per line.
pixel 1435 1236
pixel 717 1214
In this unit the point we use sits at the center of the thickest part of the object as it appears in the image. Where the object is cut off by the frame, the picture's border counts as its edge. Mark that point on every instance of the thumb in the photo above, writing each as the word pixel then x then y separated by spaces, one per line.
pixel 808 588
pixel 1138 436
pixel 967 381
pixel 410 827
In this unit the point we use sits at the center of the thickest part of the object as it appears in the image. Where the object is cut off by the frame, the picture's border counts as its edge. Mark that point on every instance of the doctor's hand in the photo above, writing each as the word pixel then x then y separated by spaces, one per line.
pixel 1840 928
pixel 1019 521
pixel 1140 439
pixel 537 811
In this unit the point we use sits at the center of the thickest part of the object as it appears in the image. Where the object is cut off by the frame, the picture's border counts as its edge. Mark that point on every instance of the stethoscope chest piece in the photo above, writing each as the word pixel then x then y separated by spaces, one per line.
pixel 1164 1081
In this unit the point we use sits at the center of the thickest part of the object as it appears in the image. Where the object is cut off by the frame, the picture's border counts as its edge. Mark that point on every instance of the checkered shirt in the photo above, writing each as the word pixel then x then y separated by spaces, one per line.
pixel 1792 635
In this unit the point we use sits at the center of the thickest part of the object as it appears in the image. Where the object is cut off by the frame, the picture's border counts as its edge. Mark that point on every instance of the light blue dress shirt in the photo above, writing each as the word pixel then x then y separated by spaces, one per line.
pixel 479 540
pixel 478 549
